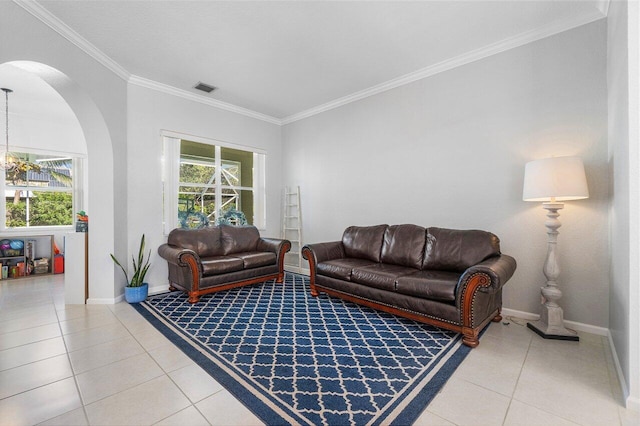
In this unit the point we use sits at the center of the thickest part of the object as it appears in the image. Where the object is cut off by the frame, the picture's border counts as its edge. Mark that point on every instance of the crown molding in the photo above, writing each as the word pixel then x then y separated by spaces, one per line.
pixel 68 33
pixel 65 31
pixel 603 6
pixel 170 90
pixel 484 52
pixel 35 9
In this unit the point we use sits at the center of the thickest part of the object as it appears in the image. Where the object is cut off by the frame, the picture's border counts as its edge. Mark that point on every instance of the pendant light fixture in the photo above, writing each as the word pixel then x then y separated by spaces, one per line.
pixel 6 162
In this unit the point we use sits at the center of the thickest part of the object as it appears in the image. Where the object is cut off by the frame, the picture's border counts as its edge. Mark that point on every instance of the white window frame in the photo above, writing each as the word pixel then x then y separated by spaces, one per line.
pixel 171 177
pixel 75 190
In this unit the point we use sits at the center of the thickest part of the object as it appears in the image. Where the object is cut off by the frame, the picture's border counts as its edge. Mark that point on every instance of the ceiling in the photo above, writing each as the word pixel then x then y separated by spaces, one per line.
pixel 287 60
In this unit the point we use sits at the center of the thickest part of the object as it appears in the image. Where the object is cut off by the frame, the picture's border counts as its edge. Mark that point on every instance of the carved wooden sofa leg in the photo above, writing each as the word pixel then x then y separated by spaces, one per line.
pixel 470 337
pixel 193 298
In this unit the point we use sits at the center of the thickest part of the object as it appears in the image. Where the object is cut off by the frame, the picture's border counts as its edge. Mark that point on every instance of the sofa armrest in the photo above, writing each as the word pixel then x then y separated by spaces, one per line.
pixel 274 245
pixel 278 246
pixel 318 253
pixel 499 269
pixel 321 252
pixel 178 256
pixel 479 296
pixel 185 266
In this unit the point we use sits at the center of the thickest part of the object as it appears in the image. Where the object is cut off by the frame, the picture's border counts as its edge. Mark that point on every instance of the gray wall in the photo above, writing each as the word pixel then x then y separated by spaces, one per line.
pixel 450 150
pixel 150 112
pixel 622 75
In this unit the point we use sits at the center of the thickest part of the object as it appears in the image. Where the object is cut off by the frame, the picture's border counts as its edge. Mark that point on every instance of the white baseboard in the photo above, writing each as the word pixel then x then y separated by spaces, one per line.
pixel 631 403
pixel 105 300
pixel 158 289
pixel 296 270
pixel 120 298
pixel 616 363
pixel 578 326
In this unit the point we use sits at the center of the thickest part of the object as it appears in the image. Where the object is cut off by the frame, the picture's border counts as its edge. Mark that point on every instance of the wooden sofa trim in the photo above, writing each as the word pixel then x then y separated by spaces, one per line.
pixel 470 335
pixel 474 283
pixel 195 292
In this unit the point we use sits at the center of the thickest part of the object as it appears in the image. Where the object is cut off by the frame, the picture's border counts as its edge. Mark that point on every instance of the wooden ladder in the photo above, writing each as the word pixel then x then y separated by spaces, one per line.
pixel 292 228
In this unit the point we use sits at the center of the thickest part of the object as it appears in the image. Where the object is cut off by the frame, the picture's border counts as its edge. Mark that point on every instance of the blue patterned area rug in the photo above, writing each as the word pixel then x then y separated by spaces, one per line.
pixel 295 359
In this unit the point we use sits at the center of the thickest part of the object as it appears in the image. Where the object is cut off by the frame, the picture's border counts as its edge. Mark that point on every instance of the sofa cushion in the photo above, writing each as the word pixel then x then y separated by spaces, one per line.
pixel 363 242
pixel 238 239
pixel 434 285
pixel 217 265
pixel 206 241
pixel 456 250
pixel 341 268
pixel 380 275
pixel 403 245
pixel 256 259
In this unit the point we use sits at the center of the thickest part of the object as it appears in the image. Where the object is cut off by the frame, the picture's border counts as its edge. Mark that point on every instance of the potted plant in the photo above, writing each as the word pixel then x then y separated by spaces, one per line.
pixel 136 291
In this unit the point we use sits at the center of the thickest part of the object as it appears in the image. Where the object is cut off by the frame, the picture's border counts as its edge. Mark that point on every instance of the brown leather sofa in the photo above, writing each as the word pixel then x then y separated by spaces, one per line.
pixel 448 278
pixel 221 257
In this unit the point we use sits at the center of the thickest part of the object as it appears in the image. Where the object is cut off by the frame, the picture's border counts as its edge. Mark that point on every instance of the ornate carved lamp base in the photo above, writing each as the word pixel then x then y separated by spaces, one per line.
pixel 551 325
pixel 551 322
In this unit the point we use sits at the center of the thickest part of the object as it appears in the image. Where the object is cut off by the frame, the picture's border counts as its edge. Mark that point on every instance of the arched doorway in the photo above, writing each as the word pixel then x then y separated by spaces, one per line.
pixel 99 183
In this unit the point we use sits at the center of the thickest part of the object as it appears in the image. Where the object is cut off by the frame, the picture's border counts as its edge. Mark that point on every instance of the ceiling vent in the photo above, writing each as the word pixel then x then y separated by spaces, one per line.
pixel 204 87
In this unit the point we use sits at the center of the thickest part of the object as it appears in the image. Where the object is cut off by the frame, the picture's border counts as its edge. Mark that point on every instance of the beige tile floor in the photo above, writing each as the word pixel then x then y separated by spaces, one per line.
pixel 105 365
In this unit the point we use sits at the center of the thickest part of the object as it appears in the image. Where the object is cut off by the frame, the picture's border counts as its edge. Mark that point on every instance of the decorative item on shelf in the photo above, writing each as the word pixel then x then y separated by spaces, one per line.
pixel 552 181
pixel 16 244
pixel 82 222
pixel 58 264
pixel 136 291
pixel 21 269
pixel 41 265
pixel 58 260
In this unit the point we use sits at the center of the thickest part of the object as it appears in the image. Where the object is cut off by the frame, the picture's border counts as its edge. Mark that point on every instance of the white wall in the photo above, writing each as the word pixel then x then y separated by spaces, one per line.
pixel 98 98
pixel 150 112
pixel 450 151
pixel 624 161
pixel 125 189
pixel 39 118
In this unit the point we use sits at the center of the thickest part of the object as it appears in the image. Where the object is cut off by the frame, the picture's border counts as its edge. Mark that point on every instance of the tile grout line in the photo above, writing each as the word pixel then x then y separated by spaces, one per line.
pixel 191 404
pixel 506 413
pixel 75 379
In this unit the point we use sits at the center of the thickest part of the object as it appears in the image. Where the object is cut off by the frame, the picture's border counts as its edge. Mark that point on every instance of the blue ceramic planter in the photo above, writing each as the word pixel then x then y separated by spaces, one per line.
pixel 136 294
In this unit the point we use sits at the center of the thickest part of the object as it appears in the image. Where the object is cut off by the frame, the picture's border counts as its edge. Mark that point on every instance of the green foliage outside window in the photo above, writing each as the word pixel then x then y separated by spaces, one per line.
pixel 45 209
pixel 51 208
pixel 16 214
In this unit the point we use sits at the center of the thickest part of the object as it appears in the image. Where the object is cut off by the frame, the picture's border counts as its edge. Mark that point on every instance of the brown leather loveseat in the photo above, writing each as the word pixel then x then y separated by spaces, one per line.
pixel 221 257
pixel 449 278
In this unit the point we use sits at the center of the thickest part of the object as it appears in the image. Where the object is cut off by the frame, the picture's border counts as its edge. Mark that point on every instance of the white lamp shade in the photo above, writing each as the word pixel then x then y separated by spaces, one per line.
pixel 557 178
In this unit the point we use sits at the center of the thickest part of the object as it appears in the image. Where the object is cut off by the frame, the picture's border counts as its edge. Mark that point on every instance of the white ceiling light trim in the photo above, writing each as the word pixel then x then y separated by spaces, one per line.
pixel 484 52
pixel 65 31
pixel 170 90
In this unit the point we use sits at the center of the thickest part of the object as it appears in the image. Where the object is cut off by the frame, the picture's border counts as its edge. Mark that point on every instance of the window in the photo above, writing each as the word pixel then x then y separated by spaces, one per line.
pixel 39 191
pixel 209 182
